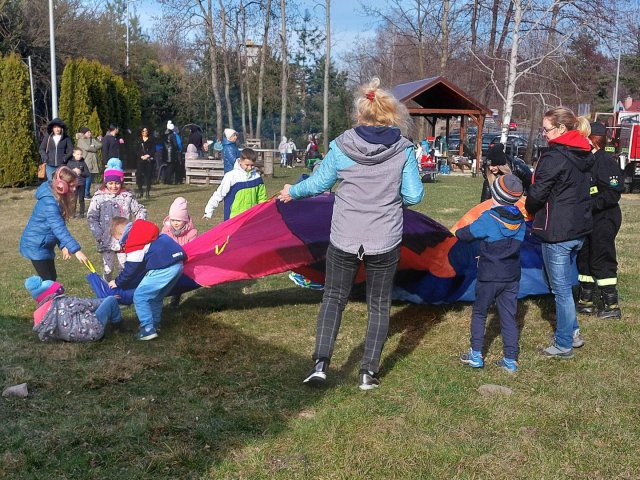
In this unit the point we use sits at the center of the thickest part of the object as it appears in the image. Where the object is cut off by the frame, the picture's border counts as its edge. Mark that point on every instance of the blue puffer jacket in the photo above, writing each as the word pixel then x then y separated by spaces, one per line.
pixel 46 228
pixel 230 153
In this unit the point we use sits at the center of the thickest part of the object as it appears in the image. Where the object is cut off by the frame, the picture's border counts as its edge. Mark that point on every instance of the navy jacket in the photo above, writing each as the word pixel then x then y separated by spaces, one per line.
pixel 501 231
pixel 52 154
pixel 84 170
pixel 110 148
pixel 46 228
pixel 161 253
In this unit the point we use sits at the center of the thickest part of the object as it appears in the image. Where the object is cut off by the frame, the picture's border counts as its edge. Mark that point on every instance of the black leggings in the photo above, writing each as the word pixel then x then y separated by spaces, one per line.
pixel 143 175
pixel 46 269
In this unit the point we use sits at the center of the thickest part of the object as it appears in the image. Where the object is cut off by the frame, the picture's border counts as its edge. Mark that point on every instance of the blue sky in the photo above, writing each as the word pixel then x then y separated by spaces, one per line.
pixel 347 21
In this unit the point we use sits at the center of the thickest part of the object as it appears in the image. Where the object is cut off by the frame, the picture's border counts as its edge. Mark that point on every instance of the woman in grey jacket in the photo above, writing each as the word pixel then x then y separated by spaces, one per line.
pixel 379 175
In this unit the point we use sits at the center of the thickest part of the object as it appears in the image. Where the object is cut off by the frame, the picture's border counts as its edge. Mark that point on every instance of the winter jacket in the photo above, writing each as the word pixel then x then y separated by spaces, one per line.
pixel 187 234
pixel 84 170
pixel 240 190
pixel 230 153
pixel 52 154
pixel 90 147
pixel 110 147
pixel 69 318
pixel 46 228
pixel 559 195
pixel 514 165
pixel 155 255
pixel 607 183
pixel 103 207
pixel 171 147
pixel 196 137
pixel 147 147
pixel 379 174
pixel 501 230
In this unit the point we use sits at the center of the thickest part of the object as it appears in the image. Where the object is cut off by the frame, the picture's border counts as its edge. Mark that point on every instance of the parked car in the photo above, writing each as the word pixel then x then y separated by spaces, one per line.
pixel 486 140
pixel 513 126
pixel 516 146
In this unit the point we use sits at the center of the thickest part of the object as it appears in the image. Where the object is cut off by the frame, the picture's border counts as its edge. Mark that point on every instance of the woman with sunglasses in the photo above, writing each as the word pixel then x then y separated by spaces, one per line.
pixel 559 198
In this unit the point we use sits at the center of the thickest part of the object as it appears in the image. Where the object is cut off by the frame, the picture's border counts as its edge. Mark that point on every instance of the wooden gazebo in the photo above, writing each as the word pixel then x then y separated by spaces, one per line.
pixel 437 97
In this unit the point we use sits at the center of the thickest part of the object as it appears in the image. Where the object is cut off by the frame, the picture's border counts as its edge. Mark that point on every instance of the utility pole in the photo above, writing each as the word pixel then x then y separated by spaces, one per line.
pixel 33 103
pixel 52 51
pixel 615 92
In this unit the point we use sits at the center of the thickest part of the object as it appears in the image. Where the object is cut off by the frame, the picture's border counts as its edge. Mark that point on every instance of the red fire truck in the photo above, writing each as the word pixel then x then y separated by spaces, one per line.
pixel 624 137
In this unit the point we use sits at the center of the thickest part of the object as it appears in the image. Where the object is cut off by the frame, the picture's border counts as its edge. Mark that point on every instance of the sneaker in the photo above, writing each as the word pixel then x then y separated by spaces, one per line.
pixel 507 364
pixel 578 341
pixel 367 380
pixel 472 358
pixel 554 351
pixel 318 374
pixel 147 333
pixel 304 282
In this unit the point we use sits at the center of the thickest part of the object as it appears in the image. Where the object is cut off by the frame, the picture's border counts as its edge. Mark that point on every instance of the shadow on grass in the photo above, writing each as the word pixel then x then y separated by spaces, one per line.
pixel 171 408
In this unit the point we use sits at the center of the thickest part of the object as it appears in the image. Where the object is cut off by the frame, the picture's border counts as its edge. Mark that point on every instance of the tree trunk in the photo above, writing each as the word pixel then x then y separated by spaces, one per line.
pixel 284 76
pixel 327 68
pixel 474 25
pixel 213 50
pixel 263 60
pixel 243 112
pixel 494 26
pixel 505 30
pixel 444 25
pixel 512 71
pixel 225 63
pixel 246 75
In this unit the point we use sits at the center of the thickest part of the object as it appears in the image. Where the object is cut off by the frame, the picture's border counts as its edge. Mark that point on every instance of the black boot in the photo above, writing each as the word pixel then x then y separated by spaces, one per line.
pixel 585 299
pixel 140 193
pixel 610 301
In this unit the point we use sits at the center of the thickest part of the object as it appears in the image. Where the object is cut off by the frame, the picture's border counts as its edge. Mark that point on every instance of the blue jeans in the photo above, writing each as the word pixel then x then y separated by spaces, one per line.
pixel 559 259
pixel 50 171
pixel 109 310
pixel 87 185
pixel 148 296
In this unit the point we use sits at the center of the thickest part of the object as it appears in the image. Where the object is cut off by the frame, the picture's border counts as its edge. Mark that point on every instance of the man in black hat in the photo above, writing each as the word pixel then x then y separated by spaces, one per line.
pixel 499 163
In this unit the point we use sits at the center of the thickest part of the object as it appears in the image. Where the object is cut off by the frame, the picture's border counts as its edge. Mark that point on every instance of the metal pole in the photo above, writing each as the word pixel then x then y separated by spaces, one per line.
pixel 33 103
pixel 615 92
pixel 52 50
pixel 127 61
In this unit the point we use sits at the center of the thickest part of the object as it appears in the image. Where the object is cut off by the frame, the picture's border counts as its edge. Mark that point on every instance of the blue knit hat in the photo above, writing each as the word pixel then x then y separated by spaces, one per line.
pixel 113 172
pixel 40 289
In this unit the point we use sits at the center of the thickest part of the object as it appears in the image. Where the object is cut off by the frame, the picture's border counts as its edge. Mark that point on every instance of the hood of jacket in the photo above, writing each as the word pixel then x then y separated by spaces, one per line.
pixel 57 121
pixel 44 190
pixel 509 219
pixel 373 149
pixel 225 141
pixel 575 148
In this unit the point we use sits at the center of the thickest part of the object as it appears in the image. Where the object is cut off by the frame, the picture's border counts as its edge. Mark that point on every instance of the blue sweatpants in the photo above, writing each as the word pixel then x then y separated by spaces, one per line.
pixel 505 295
pixel 148 296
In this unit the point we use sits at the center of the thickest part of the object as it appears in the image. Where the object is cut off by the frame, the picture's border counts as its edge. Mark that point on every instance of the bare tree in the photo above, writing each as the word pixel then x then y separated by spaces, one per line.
pixel 263 59
pixel 207 14
pixel 225 63
pixel 241 70
pixel 284 74
pixel 327 71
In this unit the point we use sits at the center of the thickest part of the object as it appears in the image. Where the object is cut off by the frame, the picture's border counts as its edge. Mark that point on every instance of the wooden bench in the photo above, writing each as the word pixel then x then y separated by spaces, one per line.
pixel 204 171
pixel 130 175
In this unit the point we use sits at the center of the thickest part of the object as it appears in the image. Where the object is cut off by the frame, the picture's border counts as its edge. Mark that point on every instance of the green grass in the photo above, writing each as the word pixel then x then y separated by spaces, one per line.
pixel 218 395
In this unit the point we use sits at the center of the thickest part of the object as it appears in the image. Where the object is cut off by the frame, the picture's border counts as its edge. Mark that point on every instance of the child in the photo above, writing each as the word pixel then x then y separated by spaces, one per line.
pixel 501 231
pixel 178 224
pixel 241 188
pixel 46 227
pixel 230 151
pixel 155 257
pixel 111 200
pixel 72 319
pixel 82 171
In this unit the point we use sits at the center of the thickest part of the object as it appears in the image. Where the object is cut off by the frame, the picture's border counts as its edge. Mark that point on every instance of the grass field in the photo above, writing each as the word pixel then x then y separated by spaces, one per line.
pixel 218 395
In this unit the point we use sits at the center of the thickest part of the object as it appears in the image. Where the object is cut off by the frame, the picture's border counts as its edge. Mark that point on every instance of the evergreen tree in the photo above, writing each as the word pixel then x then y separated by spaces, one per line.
pixel 66 103
pixel 17 153
pixel 94 125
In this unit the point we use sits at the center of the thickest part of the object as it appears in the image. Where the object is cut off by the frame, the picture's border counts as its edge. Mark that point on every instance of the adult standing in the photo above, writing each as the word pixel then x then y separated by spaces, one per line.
pixel 379 174
pixel 145 148
pixel 499 163
pixel 196 139
pixel 597 264
pixel 230 151
pixel 559 198
pixel 56 148
pixel 90 147
pixel 110 144
pixel 172 153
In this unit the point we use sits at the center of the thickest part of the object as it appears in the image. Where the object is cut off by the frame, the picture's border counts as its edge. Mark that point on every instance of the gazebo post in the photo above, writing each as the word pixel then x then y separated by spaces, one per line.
pixel 462 132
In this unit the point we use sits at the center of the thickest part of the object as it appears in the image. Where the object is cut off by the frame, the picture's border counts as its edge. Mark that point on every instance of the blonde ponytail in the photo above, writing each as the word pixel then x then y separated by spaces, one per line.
pixel 377 107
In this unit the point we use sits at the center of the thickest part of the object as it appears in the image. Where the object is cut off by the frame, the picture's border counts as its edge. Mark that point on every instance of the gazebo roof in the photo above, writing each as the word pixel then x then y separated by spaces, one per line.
pixel 437 96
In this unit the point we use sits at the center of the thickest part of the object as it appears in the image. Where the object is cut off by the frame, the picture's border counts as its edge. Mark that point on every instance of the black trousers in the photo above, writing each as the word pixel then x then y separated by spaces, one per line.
pixel 597 257
pixel 79 201
pixel 45 269
pixel 169 171
pixel 144 172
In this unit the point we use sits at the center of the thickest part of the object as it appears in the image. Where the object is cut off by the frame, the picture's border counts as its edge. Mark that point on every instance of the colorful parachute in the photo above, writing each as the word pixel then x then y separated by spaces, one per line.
pixel 275 237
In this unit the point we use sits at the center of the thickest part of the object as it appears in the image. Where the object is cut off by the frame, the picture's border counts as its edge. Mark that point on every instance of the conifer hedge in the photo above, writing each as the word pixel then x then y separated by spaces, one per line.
pixel 18 158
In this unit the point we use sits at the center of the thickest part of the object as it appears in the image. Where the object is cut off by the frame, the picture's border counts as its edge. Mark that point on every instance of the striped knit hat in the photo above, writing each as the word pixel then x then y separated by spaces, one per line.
pixel 506 189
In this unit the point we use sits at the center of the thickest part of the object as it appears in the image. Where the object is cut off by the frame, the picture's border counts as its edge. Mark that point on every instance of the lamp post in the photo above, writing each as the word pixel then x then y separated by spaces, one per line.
pixel 52 51
pixel 128 26
pixel 33 103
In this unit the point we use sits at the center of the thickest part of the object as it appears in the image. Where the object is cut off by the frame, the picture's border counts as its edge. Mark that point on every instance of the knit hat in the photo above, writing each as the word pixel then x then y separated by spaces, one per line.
pixel 84 130
pixel 507 189
pixel 114 172
pixel 40 289
pixel 178 210
pixel 496 155
pixel 229 132
pixel 142 232
pixel 598 129
pixel 170 125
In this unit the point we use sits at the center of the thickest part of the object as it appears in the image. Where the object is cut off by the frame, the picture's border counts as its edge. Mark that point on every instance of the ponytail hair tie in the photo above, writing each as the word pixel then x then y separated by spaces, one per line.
pixel 371 95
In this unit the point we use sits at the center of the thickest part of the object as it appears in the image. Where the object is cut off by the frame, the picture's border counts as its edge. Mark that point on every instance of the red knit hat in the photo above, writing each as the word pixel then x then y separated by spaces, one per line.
pixel 142 232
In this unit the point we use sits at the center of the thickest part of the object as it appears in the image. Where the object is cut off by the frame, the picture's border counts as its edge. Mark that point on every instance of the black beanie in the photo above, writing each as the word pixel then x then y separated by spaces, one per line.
pixel 496 155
